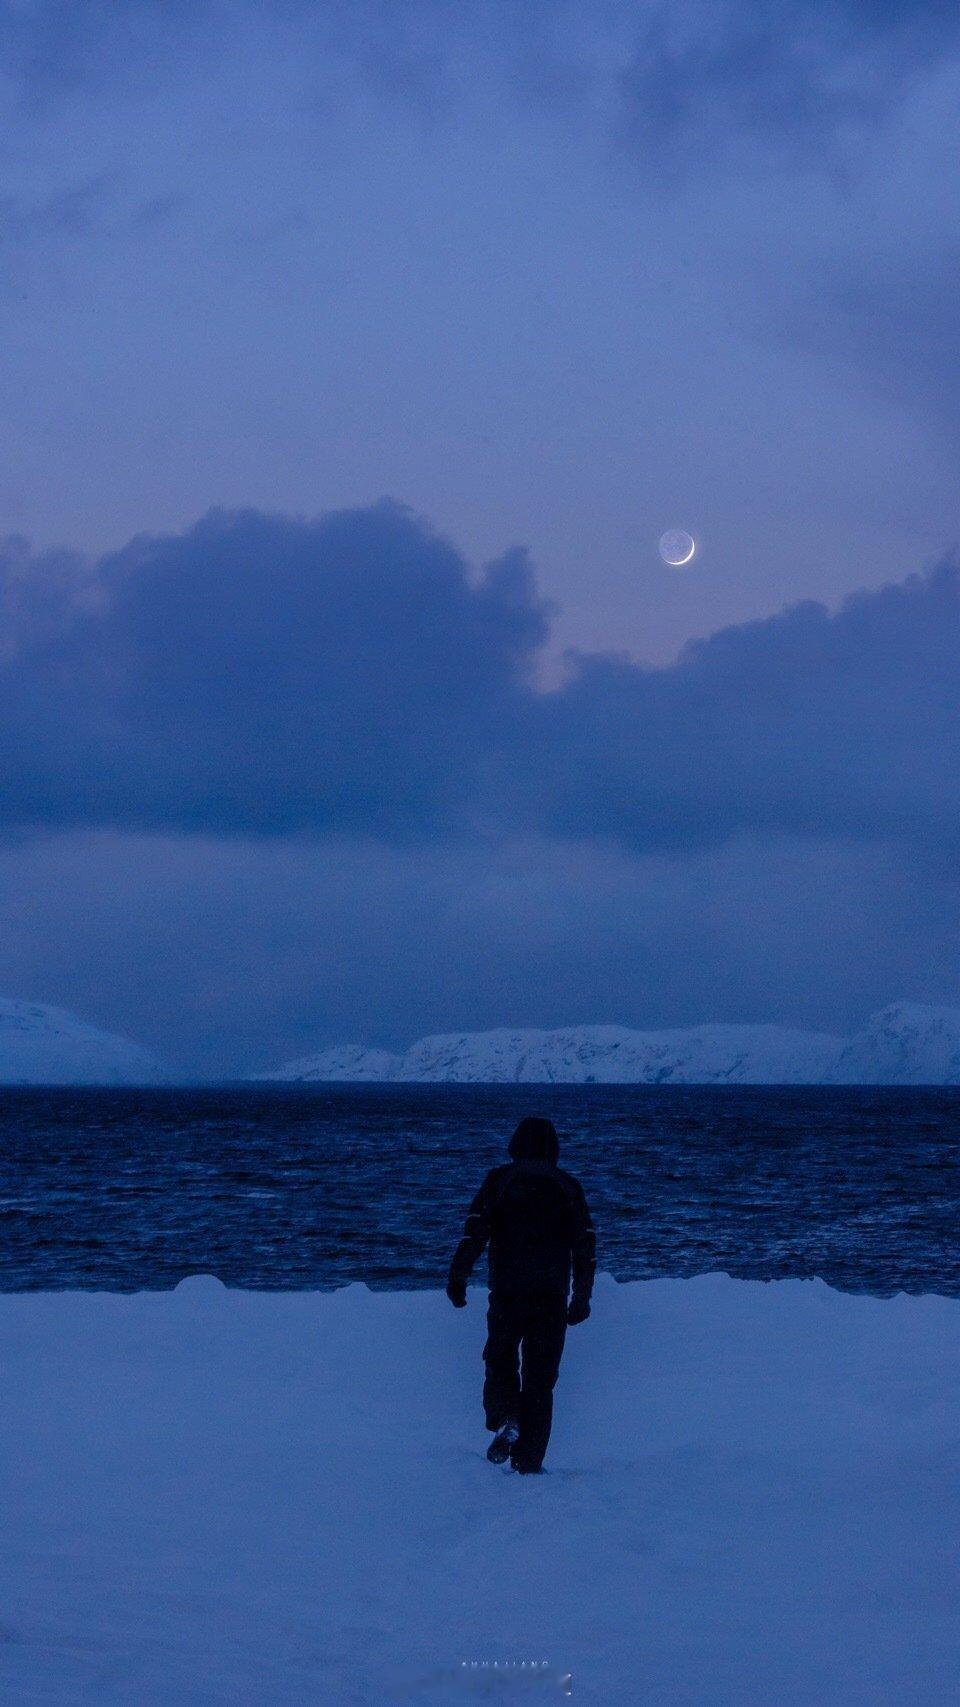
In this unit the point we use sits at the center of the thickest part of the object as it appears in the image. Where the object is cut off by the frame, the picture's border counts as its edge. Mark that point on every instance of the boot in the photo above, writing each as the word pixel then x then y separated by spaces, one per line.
pixel 524 1466
pixel 500 1446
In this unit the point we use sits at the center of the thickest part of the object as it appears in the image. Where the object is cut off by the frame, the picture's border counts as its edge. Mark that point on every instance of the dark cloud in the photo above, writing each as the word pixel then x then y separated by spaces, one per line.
pixel 260 673
pixel 684 74
pixel 805 723
pixel 797 74
pixel 265 675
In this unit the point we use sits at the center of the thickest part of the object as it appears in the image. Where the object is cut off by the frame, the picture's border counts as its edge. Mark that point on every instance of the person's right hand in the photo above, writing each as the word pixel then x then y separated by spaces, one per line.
pixel 457 1293
pixel 578 1310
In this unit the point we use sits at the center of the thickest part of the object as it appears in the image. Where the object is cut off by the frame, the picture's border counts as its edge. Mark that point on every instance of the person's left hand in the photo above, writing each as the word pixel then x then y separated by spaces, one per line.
pixel 578 1310
pixel 457 1293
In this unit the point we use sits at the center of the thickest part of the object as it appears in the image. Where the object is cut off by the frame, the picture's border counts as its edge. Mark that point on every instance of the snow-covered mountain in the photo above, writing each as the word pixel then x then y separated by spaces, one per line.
pixel 48 1046
pixel 588 1054
pixel 612 1054
pixel 905 1044
pixel 347 1061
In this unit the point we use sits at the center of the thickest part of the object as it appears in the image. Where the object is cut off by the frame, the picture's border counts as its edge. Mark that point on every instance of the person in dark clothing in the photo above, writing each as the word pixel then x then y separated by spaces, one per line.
pixel 534 1216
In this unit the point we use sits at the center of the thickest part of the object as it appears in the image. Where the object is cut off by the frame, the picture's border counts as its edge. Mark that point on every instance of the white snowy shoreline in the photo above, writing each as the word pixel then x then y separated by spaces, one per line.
pixel 229 1497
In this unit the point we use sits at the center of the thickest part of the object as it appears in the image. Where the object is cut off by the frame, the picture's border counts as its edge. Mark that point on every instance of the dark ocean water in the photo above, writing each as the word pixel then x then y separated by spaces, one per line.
pixel 276 1186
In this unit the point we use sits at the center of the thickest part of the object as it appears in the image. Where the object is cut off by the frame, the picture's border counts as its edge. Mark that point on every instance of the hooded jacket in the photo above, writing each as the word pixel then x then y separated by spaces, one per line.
pixel 535 1219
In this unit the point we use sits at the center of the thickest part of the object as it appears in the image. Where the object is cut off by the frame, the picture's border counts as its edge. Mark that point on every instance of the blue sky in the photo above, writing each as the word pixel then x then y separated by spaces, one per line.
pixel 439 315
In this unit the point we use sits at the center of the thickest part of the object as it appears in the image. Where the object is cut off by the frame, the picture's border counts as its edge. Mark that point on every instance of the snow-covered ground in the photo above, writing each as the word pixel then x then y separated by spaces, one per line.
pixel 218 1497
pixel 41 1045
pixel 906 1043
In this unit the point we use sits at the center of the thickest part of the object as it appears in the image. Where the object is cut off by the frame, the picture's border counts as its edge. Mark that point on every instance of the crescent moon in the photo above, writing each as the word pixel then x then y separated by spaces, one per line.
pixel 677 547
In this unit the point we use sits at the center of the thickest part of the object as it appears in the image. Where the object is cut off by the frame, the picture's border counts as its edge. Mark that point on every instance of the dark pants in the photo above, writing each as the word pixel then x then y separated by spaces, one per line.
pixel 531 1326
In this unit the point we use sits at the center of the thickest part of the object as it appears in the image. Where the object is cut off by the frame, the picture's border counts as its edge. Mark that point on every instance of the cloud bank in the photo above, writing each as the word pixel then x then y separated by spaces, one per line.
pixel 672 76
pixel 265 676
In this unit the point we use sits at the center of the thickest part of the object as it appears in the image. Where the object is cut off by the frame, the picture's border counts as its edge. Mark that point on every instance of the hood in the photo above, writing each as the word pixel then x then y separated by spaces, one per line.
pixel 534 1139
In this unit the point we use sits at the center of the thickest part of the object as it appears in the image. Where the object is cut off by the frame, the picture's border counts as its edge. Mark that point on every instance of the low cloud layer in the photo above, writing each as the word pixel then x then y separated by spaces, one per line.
pixel 230 957
pixel 263 675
